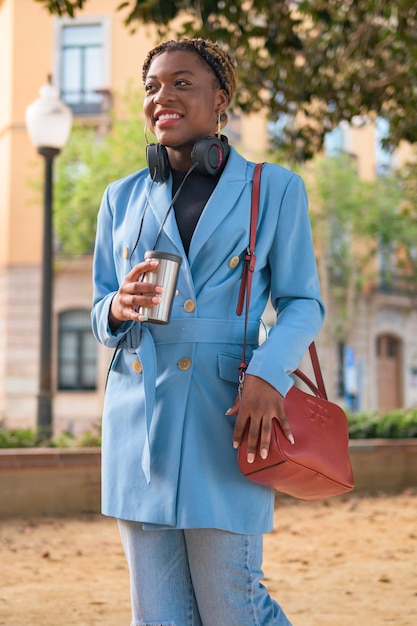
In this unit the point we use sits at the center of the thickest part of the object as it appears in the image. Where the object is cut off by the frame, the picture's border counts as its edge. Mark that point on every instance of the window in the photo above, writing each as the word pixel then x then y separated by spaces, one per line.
pixel 386 259
pixel 336 141
pixel 82 65
pixel 387 346
pixel 340 375
pixel 77 352
pixel 384 157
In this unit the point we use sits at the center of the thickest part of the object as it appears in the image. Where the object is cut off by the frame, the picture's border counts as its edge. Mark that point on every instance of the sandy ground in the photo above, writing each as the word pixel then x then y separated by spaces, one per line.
pixel 343 562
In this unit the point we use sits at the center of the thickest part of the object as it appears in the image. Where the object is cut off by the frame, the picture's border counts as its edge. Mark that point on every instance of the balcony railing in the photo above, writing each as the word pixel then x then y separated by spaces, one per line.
pixel 397 284
pixel 84 102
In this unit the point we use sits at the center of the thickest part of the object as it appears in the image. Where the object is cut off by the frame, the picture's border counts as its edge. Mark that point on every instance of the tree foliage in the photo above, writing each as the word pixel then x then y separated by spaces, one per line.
pixel 88 164
pixel 362 236
pixel 315 62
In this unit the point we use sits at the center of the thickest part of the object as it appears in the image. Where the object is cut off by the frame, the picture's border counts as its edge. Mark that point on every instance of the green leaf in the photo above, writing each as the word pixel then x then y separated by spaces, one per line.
pixel 316 63
pixel 88 164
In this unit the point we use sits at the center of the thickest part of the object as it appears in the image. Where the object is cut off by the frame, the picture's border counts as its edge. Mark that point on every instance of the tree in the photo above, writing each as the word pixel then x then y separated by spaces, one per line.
pixel 311 62
pixel 88 164
pixel 365 234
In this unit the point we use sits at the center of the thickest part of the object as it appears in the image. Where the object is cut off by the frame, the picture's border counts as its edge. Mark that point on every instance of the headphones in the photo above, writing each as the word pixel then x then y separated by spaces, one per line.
pixel 208 156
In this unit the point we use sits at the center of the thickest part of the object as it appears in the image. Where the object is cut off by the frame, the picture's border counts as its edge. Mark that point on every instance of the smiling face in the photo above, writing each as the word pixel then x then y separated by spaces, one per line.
pixel 182 102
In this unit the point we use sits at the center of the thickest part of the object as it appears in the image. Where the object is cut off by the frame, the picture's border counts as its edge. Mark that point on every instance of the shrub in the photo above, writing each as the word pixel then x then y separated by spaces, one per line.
pixel 362 425
pixel 90 439
pixel 398 424
pixel 31 438
pixel 18 437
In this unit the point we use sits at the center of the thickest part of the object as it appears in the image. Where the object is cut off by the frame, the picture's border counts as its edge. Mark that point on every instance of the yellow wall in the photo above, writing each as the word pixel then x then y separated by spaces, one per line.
pixel 27 51
pixel 27 40
pixel 29 48
pixel 6 31
pixel 363 144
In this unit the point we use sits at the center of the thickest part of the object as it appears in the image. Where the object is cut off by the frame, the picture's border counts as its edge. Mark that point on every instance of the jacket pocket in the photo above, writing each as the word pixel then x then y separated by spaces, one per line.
pixel 228 365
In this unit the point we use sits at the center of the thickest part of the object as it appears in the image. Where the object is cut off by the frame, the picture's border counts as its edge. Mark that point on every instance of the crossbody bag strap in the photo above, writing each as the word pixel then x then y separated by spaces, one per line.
pixel 249 266
pixel 245 290
pixel 319 388
pixel 249 259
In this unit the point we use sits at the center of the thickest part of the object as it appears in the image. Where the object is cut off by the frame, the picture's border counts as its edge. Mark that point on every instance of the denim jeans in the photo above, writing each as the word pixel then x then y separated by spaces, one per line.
pixel 197 577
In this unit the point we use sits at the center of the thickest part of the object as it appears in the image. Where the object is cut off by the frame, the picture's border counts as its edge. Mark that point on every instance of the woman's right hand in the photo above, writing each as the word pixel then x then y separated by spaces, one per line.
pixel 134 293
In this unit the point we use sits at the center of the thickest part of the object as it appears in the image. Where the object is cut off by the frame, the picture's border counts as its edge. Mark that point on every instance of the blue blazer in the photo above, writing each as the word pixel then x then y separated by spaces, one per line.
pixel 168 459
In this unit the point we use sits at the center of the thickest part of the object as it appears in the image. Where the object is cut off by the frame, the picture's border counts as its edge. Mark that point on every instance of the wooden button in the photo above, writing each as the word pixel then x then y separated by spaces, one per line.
pixel 137 367
pixel 189 306
pixel 234 261
pixel 184 364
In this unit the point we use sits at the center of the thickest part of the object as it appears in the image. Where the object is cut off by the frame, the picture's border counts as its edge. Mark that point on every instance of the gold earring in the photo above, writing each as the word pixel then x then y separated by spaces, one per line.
pixel 145 132
pixel 219 124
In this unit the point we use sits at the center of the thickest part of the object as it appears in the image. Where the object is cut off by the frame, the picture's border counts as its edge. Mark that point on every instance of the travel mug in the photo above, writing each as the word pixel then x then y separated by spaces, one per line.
pixel 166 275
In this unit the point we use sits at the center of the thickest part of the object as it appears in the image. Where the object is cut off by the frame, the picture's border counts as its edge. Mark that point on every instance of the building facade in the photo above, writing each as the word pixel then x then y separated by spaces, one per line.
pixel 91 59
pixel 376 369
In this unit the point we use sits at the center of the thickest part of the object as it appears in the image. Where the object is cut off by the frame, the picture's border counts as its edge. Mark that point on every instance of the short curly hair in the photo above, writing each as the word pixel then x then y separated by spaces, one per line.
pixel 213 54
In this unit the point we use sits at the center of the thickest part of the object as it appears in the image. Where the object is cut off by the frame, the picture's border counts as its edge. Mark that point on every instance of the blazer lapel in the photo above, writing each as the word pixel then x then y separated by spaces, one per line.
pixel 159 203
pixel 223 200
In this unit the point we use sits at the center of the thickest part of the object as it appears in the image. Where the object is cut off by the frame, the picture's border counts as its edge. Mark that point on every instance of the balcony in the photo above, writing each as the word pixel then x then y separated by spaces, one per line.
pixel 397 284
pixel 88 103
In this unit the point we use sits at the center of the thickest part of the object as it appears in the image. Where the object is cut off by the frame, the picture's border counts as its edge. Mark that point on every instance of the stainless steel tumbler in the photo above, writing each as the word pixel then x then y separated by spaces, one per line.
pixel 166 275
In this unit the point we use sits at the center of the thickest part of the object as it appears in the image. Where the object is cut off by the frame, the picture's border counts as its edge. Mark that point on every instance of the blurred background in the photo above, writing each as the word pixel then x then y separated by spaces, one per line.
pixel 328 89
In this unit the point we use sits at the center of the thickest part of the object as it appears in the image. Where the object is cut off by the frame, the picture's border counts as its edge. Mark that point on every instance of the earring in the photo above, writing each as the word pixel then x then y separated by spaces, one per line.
pixel 219 124
pixel 145 132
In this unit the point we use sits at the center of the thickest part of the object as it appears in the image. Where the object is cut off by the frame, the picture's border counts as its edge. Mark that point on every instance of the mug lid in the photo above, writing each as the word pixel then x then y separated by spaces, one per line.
pixel 158 254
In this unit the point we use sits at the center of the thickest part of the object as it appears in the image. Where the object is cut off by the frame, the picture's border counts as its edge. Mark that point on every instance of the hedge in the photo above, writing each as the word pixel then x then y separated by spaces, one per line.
pixel 398 424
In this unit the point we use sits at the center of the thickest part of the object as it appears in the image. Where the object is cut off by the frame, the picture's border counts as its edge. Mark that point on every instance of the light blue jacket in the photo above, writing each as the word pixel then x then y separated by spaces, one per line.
pixel 168 459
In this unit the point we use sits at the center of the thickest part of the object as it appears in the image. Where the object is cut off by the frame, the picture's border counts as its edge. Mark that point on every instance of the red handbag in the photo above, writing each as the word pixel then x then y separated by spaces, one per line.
pixel 317 465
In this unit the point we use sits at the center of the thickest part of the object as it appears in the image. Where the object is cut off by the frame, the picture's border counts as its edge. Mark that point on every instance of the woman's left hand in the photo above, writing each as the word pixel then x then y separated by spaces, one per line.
pixel 260 403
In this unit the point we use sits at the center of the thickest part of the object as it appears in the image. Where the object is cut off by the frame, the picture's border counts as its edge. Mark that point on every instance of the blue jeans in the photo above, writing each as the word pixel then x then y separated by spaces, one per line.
pixel 197 577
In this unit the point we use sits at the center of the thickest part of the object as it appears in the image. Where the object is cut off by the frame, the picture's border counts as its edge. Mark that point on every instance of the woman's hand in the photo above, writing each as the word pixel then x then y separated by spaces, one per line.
pixel 260 403
pixel 133 294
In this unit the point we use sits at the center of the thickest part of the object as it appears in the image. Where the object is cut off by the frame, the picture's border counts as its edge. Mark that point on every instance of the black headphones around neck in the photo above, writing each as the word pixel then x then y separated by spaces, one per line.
pixel 208 155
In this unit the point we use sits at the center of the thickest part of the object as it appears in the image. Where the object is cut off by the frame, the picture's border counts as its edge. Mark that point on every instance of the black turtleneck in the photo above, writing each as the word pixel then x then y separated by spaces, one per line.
pixel 191 201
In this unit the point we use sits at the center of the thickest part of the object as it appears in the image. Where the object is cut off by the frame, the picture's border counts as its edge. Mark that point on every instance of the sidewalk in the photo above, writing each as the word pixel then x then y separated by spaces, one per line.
pixel 343 562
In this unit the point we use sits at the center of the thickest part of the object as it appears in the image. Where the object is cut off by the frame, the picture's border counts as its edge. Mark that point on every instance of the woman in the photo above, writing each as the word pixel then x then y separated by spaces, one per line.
pixel 190 523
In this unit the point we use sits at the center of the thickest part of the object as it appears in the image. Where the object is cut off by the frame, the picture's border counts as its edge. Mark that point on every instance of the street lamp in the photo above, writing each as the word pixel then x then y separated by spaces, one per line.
pixel 48 122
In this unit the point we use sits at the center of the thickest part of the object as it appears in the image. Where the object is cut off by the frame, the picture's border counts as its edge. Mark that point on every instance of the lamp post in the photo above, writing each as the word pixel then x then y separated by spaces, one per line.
pixel 48 122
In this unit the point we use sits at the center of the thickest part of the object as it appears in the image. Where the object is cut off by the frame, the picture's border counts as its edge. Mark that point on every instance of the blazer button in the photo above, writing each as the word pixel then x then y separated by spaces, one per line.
pixel 137 367
pixel 189 306
pixel 234 261
pixel 184 364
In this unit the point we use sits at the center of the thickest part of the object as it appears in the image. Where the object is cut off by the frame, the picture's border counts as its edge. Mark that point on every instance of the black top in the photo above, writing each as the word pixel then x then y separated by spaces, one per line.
pixel 191 201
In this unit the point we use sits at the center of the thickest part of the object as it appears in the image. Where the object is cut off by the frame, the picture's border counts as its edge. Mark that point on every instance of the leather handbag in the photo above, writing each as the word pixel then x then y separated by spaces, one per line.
pixel 317 465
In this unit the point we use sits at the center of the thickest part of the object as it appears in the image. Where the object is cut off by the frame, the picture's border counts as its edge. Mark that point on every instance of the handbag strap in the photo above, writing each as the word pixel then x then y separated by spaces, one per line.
pixel 245 289
pixel 249 266
pixel 319 389
pixel 250 258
